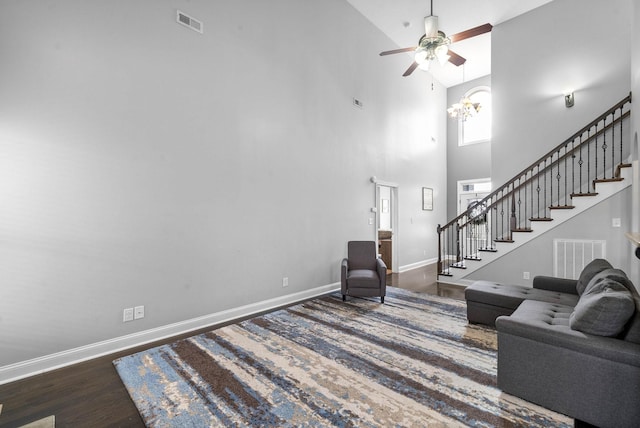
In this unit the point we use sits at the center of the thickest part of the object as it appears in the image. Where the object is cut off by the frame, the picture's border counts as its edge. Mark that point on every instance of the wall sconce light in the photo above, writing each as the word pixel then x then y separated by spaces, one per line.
pixel 569 99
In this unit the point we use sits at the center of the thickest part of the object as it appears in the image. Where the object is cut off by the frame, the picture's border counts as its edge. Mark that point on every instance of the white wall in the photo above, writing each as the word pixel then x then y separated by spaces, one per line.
pixel 142 163
pixel 578 44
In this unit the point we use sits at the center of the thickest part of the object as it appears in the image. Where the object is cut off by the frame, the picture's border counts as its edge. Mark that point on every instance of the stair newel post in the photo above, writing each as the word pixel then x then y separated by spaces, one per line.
pixel 439 265
pixel 458 253
pixel 452 244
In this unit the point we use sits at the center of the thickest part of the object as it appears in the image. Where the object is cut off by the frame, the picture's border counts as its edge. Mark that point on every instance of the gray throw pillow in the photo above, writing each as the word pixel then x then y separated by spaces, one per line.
pixel 590 270
pixel 604 309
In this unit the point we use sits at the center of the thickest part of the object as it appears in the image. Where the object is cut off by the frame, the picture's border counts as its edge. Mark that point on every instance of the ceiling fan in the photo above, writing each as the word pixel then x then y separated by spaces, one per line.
pixel 434 44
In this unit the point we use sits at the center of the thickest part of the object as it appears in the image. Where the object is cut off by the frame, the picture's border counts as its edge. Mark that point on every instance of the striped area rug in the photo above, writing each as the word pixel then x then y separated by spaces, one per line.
pixel 413 361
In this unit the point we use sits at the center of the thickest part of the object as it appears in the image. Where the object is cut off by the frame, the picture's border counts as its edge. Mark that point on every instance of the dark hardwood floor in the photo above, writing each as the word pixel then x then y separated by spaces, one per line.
pixel 90 394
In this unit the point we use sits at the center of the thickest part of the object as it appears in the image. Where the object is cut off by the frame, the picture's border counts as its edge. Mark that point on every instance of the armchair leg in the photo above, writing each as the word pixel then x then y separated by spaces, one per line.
pixel 382 299
pixel 344 297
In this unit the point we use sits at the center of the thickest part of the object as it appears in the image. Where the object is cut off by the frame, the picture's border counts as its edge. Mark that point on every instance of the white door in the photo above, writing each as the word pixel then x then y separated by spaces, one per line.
pixel 387 219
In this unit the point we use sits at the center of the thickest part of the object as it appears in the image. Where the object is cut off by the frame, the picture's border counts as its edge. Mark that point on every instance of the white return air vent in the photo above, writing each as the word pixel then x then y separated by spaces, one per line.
pixel 190 22
pixel 570 256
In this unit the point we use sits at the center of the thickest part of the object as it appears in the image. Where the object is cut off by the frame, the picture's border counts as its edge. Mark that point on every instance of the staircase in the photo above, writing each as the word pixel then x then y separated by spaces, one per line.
pixel 582 171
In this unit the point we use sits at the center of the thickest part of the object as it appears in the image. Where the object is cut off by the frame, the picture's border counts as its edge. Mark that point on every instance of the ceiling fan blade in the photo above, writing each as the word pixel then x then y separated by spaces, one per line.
pixel 410 69
pixel 455 59
pixel 472 32
pixel 395 51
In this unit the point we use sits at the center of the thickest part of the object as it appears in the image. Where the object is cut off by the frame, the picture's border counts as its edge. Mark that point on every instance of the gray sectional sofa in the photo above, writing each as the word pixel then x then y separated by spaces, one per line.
pixel 572 346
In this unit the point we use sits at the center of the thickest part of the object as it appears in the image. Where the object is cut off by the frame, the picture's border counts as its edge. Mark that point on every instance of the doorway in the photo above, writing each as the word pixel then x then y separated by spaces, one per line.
pixel 387 224
pixel 470 193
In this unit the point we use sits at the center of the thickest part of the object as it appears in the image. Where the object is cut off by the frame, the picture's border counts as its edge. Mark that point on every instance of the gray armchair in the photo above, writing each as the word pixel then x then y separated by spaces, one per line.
pixel 363 274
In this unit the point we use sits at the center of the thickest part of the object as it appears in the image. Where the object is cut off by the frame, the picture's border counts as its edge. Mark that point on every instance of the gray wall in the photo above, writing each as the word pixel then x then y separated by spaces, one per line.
pixel 530 70
pixel 142 163
pixel 537 56
pixel 464 162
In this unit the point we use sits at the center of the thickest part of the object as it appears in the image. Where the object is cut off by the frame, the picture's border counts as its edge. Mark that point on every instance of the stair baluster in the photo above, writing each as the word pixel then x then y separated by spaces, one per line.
pixel 530 195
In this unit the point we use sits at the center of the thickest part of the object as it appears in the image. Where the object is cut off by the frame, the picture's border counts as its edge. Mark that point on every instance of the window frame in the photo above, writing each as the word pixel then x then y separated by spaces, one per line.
pixel 461 140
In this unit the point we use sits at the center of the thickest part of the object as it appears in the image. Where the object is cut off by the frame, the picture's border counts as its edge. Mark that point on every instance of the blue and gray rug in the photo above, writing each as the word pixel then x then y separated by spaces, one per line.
pixel 413 361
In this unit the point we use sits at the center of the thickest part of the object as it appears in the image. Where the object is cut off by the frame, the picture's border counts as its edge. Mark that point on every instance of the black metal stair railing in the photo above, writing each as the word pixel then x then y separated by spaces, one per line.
pixel 594 154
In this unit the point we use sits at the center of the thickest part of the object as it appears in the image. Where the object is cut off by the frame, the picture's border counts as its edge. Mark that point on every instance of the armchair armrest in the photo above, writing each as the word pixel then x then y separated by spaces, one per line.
pixel 382 271
pixel 344 268
pixel 551 283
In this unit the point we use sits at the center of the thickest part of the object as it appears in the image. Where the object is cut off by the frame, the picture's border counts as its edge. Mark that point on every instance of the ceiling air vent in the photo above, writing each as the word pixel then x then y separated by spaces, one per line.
pixel 188 21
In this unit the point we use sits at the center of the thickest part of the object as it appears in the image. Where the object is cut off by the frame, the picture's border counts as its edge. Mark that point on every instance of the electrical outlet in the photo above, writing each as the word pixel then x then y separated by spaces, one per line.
pixel 127 315
pixel 525 275
pixel 285 281
pixel 138 312
pixel 615 222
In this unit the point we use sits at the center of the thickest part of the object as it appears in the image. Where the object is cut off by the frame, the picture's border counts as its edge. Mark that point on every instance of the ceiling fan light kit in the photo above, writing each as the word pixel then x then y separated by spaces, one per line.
pixel 434 44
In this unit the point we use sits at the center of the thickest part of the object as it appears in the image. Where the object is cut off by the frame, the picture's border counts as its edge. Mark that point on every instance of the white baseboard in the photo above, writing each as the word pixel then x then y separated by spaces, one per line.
pixel 50 362
pixel 417 265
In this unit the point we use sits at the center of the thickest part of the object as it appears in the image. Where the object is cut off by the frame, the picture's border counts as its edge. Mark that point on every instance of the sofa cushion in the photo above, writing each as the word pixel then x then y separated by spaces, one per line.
pixel 605 305
pixel 590 270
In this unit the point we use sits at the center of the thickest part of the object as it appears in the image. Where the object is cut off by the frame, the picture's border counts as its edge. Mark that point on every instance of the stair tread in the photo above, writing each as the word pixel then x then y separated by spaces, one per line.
pixel 620 166
pixel 562 207
pixel 522 230
pixel 508 241
pixel 607 180
pixel 540 219
pixel 574 195
pixel 488 250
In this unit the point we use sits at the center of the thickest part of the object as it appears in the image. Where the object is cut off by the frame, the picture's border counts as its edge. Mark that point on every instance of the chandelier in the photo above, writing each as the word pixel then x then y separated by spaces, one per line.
pixel 463 109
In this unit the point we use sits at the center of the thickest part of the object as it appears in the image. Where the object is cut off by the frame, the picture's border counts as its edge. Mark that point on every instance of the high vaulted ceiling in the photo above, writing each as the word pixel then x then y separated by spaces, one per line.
pixel 403 22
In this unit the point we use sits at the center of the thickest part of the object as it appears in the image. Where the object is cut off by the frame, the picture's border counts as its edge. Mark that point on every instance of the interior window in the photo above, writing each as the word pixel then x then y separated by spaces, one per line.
pixel 477 128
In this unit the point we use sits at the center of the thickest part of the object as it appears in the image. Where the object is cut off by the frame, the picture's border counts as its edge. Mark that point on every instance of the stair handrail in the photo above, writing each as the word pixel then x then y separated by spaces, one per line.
pixel 543 158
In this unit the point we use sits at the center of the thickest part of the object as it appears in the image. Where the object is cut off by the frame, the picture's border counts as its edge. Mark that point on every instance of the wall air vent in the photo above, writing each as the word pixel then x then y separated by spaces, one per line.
pixel 190 22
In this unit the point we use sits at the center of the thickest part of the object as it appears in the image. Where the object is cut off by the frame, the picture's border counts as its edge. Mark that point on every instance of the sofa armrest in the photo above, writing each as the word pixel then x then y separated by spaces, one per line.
pixel 562 336
pixel 551 283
